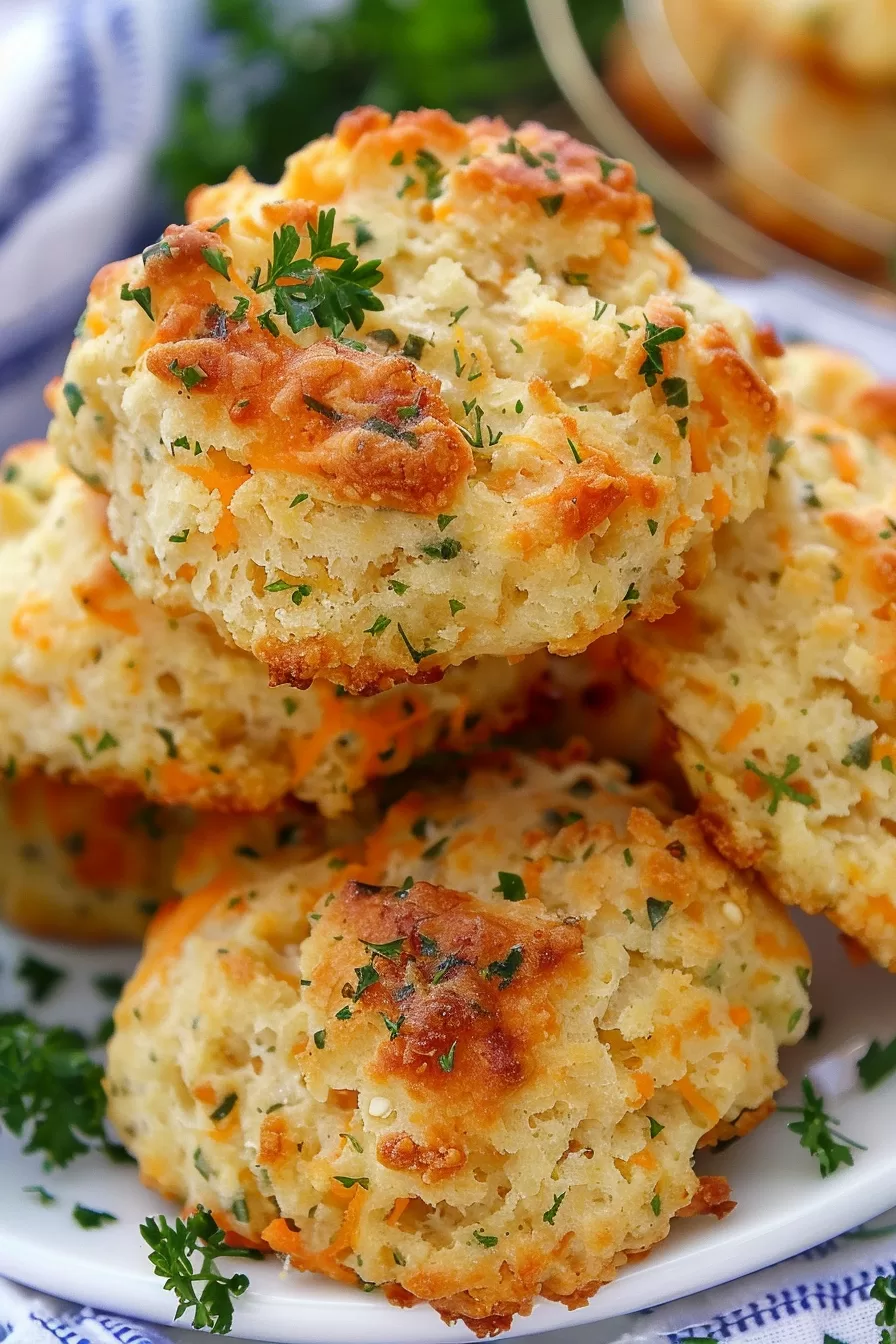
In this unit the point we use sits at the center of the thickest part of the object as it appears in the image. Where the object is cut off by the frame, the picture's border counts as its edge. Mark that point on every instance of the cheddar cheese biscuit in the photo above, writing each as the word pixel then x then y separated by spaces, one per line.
pixel 780 672
pixel 470 1064
pixel 520 425
pixel 99 685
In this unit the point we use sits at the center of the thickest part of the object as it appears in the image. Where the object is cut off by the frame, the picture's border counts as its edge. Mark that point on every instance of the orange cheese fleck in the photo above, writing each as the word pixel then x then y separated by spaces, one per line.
pixel 743 724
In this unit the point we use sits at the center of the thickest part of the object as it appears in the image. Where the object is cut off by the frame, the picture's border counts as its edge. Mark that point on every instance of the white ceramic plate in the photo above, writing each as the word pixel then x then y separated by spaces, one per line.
pixel 783 1205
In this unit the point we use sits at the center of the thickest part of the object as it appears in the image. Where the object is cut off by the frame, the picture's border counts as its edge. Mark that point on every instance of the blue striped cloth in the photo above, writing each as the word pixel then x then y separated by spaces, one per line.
pixel 86 91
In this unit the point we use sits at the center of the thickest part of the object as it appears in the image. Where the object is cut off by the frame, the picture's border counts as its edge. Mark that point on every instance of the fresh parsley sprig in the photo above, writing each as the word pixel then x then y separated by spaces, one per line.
pixel 779 785
pixel 883 1290
pixel 877 1063
pixel 172 1248
pixel 51 1091
pixel 831 1149
pixel 330 297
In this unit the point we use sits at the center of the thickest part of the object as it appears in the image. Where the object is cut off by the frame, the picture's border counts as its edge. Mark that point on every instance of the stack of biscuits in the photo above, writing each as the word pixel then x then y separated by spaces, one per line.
pixel 807 93
pixel 435 461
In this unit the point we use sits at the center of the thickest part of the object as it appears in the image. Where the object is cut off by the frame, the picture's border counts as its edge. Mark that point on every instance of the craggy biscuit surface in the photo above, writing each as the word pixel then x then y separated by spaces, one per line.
pixel 780 673
pixel 535 432
pixel 472 1062
pixel 102 686
pixel 88 868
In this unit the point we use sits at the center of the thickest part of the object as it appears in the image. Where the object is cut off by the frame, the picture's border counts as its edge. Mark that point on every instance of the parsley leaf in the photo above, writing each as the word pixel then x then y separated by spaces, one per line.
pixel 654 337
pixel 511 886
pixel 74 398
pixel 446 1062
pixel 367 975
pixel 332 297
pixel 416 654
pixel 832 1150
pixel 485 1240
pixel 779 786
pixel 40 978
pixel 91 1218
pixel 172 1248
pixel 143 297
pixel 657 910
pixel 884 1291
pixel 505 970
pixel 877 1063
pixel 859 752
pixel 50 1090
pixel 550 1214
pixel 217 260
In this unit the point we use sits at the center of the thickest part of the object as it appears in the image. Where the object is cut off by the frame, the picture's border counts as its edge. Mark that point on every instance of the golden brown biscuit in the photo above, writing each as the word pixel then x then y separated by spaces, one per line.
pixel 542 413
pixel 851 40
pixel 471 1064
pixel 84 867
pixel 837 139
pixel 780 673
pixel 99 685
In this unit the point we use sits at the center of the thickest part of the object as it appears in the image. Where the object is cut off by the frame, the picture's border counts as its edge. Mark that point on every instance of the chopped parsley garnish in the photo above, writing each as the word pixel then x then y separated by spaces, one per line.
pixel 627 855
pixel 344 1014
pixel 877 1063
pixel 170 745
pixel 143 297
pixel 331 298
pixel 299 499
pixel 397 586
pixel 391 951
pixel 456 606
pixel 859 752
pixel 240 309
pixel 429 946
pixel 550 1214
pixel 435 850
pixel 43 1195
pixel 675 390
pixel 320 1039
pixel 575 277
pixel 180 537
pixel 657 910
pixel 655 1127
pixel 652 526
pixel 188 374
pixel 654 337
pixel 380 624
pixel 511 886
pixel 779 786
pixel 551 204
pixel 110 986
pixel 51 1091
pixel 363 233
pixel 574 450
pixel 506 969
pixel 160 248
pixel 413 346
pixel 647 229
pixel 383 336
pixel 458 314
pixel 217 260
pixel 393 1027
pixel 366 975
pixel 39 977
pixel 777 449
pixel 172 1248
pixel 656 1204
pixel 432 171
pixel 350 1181
pixel 223 1109
pixel 631 594
pixel 446 549
pixel 444 519
pixel 832 1150
pixel 266 320
pixel 74 399
pixel 416 654
pixel 485 1240
pixel 91 1218
pixel 446 1062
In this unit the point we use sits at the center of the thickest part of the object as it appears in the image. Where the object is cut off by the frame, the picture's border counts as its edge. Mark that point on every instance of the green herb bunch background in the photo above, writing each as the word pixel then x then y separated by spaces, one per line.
pixel 282 75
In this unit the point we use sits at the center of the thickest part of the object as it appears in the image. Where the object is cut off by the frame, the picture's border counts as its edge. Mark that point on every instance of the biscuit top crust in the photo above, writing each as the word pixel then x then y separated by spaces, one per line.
pixel 454 971
pixel 423 325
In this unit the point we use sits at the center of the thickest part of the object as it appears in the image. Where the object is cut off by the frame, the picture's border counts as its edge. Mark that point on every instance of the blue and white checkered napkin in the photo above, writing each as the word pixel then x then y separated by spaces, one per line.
pixel 86 91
